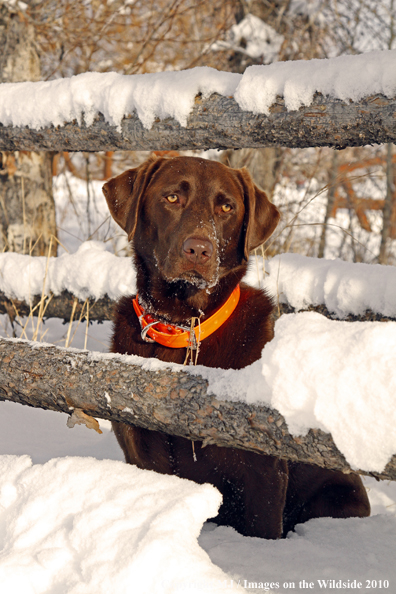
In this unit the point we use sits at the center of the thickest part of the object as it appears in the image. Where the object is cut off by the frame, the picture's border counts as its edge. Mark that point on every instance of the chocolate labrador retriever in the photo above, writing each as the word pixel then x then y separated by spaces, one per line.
pixel 192 224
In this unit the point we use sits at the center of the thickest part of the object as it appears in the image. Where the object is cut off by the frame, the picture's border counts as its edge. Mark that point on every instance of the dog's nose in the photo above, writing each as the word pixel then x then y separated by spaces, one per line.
pixel 197 250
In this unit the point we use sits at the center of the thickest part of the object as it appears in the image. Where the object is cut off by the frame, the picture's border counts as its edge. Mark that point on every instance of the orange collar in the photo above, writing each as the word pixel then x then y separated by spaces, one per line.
pixel 178 337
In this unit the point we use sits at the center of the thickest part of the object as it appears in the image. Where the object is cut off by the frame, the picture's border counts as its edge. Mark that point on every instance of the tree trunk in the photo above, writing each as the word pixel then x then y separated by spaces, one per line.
pixel 27 209
pixel 263 164
pixel 330 202
pixel 387 210
pixel 118 388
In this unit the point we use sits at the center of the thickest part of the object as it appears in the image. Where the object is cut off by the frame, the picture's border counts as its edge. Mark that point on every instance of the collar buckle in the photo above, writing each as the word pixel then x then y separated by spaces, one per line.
pixel 145 329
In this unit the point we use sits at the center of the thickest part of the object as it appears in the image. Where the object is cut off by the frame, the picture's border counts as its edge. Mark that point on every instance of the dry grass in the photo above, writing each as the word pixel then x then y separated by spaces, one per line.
pixel 36 318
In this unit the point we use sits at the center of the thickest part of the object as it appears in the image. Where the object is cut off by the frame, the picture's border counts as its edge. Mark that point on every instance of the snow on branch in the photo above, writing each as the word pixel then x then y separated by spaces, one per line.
pixel 344 101
pixel 65 283
pixel 343 288
pixel 157 396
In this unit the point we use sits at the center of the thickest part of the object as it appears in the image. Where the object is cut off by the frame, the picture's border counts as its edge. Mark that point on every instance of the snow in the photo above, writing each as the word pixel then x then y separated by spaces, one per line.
pixel 78 525
pixel 322 549
pixel 44 435
pixel 15 4
pixel 325 374
pixel 343 287
pixel 172 94
pixel 345 77
pixel 90 272
pixel 261 40
pixel 73 225
pixel 81 525
pixel 318 373
pixel 163 94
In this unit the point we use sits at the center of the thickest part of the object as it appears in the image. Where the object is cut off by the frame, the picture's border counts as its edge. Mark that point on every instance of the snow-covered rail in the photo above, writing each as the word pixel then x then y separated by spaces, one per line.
pixel 344 101
pixel 218 123
pixel 227 407
pixel 343 288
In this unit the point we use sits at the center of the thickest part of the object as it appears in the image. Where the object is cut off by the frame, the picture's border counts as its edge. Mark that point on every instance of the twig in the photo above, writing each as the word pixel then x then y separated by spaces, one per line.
pixel 40 315
pixel 31 249
pixel 86 327
pixel 70 322
pixel 23 213
pixel 86 302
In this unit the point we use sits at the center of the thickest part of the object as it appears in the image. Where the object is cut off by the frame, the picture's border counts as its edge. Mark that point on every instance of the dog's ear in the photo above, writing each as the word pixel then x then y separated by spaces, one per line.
pixel 261 216
pixel 124 194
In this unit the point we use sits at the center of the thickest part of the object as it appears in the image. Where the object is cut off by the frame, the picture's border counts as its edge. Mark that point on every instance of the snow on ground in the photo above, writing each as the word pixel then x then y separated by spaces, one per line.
pixel 171 94
pixel 321 552
pixel 79 524
pixel 303 208
pixel 80 218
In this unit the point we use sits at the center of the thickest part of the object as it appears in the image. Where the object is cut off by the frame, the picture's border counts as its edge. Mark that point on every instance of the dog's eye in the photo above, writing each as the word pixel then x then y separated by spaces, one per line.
pixel 172 198
pixel 226 207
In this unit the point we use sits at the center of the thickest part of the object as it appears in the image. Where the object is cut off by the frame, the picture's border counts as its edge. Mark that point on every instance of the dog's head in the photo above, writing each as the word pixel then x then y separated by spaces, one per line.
pixel 191 220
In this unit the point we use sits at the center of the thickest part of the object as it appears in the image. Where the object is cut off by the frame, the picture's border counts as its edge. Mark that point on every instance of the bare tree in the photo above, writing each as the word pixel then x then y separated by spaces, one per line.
pixel 27 209
pixel 387 210
pixel 330 202
pixel 128 37
pixel 266 32
pixel 362 26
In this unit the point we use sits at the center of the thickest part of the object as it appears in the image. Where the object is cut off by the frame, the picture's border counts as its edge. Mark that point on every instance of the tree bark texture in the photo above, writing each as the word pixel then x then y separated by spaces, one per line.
pixel 178 403
pixel 27 208
pixel 218 122
pixel 61 306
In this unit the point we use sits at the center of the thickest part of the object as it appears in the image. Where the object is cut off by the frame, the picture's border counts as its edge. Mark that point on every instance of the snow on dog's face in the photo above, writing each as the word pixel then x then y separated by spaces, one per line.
pixel 191 221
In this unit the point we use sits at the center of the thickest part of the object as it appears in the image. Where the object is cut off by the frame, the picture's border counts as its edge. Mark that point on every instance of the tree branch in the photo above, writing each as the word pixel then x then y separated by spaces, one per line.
pixel 218 122
pixel 118 388
pixel 59 306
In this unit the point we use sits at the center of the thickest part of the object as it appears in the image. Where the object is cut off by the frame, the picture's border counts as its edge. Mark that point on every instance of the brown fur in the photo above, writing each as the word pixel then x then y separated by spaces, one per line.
pixel 262 495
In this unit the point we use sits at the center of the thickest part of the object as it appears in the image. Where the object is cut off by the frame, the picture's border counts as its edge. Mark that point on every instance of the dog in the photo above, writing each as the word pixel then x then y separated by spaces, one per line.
pixel 192 224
